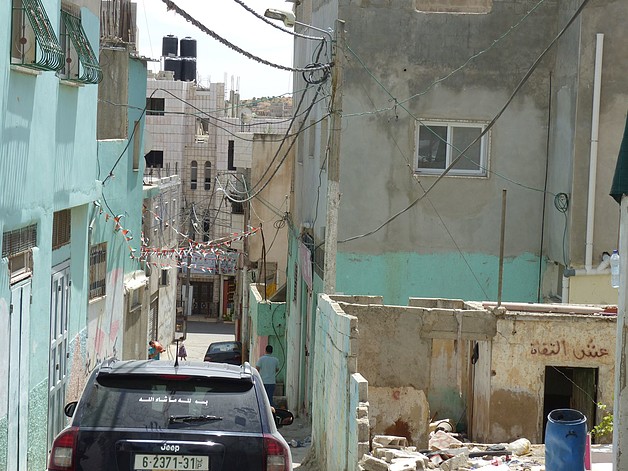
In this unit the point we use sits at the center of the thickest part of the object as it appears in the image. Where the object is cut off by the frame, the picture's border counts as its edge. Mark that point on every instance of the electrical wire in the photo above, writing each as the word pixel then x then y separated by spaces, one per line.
pixel 128 143
pixel 172 6
pixel 206 114
pixel 484 131
pixel 259 190
pixel 457 69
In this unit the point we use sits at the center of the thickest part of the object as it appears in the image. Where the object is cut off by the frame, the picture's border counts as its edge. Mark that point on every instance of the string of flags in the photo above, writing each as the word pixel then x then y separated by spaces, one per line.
pixel 118 228
pixel 211 257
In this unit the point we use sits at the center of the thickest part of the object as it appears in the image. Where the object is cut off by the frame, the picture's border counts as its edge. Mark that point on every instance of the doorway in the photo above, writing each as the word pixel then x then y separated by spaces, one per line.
pixel 202 296
pixel 19 357
pixel 57 374
pixel 570 388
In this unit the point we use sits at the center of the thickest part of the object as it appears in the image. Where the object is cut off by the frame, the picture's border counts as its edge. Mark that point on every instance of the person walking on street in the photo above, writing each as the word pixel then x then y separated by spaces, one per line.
pixel 155 350
pixel 182 353
pixel 268 367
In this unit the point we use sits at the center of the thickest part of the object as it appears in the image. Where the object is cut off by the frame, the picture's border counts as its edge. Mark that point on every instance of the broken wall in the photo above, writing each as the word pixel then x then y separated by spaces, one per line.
pixel 334 401
pixel 416 360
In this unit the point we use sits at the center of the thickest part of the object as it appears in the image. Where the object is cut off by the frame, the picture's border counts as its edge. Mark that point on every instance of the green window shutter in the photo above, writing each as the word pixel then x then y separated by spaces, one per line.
pixel 89 70
pixel 33 40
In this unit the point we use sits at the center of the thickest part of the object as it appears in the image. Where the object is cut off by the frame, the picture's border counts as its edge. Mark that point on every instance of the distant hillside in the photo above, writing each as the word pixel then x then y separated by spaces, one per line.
pixel 276 107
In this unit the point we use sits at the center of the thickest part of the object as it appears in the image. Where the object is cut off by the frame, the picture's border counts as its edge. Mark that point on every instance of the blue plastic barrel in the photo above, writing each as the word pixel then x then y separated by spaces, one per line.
pixel 565 440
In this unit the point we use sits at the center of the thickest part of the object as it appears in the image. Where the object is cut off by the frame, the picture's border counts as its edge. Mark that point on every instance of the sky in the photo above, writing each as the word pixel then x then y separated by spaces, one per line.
pixel 232 22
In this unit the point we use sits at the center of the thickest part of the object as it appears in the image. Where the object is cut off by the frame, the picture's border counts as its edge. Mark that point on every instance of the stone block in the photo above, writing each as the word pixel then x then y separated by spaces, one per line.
pixel 370 463
pixel 363 412
pixel 455 463
pixel 389 441
pixel 403 464
pixel 363 448
pixel 364 431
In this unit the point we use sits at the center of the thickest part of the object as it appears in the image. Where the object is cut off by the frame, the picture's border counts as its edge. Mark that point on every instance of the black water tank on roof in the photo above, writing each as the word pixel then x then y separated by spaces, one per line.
pixel 188 47
pixel 170 46
pixel 188 69
pixel 173 64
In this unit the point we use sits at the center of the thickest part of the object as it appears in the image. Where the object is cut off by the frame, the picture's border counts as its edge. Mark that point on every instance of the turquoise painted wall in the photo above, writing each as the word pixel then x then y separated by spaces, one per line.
pixel 122 195
pixel 398 276
pixel 47 163
pixel 268 320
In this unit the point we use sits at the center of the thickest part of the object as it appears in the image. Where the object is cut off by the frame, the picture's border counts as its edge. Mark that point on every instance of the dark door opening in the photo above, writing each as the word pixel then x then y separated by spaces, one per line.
pixel 570 388
pixel 202 296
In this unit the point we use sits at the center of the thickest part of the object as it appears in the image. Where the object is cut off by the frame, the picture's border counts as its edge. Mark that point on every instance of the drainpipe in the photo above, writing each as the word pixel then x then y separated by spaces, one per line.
pixel 602 269
pixel 595 126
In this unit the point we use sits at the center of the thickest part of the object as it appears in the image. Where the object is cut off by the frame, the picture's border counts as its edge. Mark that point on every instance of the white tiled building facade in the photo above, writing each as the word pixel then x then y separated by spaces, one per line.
pixel 193 132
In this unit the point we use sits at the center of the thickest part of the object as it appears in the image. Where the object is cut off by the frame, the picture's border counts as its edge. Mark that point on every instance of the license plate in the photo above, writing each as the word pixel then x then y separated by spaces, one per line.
pixel 171 463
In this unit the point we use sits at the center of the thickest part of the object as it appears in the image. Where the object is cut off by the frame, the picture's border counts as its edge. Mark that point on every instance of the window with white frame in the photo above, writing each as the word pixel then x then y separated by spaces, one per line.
pixel 440 143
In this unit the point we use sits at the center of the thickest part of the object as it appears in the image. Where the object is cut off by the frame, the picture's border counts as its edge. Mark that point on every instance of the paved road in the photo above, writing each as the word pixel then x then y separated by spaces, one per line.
pixel 201 334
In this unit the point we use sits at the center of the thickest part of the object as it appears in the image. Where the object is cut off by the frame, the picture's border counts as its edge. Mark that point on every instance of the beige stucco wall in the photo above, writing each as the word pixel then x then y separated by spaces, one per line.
pixel 272 202
pixel 592 289
pixel 521 350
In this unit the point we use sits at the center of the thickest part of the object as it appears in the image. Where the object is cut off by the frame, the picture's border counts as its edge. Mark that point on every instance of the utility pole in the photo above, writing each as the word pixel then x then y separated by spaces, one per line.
pixel 333 164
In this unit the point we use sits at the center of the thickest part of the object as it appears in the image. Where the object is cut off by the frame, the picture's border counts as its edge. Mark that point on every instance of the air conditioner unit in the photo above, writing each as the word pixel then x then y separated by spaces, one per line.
pixel 20 266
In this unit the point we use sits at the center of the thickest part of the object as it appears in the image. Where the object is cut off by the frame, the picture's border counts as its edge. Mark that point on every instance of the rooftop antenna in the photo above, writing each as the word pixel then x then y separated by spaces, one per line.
pixel 176 353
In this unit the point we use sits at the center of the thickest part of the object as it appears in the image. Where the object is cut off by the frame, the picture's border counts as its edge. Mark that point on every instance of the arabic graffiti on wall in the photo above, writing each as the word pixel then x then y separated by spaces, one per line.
pixel 562 347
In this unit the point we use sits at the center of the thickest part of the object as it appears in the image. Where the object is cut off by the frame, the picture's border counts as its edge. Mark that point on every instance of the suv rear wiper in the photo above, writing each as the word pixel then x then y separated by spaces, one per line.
pixel 192 418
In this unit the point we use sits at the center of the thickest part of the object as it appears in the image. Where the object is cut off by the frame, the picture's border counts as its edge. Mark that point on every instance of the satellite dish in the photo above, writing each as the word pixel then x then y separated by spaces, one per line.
pixel 246 116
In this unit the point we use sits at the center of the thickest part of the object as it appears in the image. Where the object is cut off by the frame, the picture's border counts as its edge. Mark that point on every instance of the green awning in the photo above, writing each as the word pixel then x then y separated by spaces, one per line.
pixel 33 40
pixel 620 179
pixel 89 70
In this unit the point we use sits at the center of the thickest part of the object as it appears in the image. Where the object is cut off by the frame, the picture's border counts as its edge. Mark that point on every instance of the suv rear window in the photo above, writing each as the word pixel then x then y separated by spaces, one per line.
pixel 224 347
pixel 162 402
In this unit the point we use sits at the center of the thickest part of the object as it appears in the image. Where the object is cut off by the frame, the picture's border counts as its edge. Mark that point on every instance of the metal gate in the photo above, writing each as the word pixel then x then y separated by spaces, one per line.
pixel 19 328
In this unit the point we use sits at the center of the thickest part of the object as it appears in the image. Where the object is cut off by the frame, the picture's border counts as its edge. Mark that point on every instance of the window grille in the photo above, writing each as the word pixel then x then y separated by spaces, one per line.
pixel 155 106
pixel 81 64
pixel 19 241
pixel 231 156
pixel 61 228
pixel 193 174
pixel 33 40
pixel 16 246
pixel 97 270
pixel 208 175
pixel 296 283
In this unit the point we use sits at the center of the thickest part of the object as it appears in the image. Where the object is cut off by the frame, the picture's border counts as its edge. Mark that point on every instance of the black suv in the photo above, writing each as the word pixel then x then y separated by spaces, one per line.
pixel 154 415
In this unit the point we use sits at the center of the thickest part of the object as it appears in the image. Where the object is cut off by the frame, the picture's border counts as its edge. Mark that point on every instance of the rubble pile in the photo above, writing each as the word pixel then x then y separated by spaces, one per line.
pixel 447 453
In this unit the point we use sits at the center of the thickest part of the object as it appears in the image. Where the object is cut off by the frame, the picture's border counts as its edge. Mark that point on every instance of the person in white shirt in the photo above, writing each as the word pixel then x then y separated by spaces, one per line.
pixel 268 367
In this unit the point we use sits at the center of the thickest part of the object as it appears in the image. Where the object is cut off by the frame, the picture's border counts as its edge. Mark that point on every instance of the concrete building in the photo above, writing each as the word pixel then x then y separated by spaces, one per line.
pixel 165 321
pixel 415 220
pixel 494 373
pixel 48 180
pixel 71 207
pixel 194 132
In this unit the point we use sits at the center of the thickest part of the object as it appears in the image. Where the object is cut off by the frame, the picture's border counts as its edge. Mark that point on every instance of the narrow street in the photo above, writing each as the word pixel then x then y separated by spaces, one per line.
pixel 202 332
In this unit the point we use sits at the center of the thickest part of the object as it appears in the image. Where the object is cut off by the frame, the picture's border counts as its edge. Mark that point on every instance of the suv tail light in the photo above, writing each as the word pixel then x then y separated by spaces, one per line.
pixel 276 454
pixel 63 448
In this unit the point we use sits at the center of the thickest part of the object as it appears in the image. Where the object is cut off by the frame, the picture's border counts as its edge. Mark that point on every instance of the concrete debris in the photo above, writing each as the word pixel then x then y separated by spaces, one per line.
pixel 446 453
pixel 389 441
pixel 441 440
